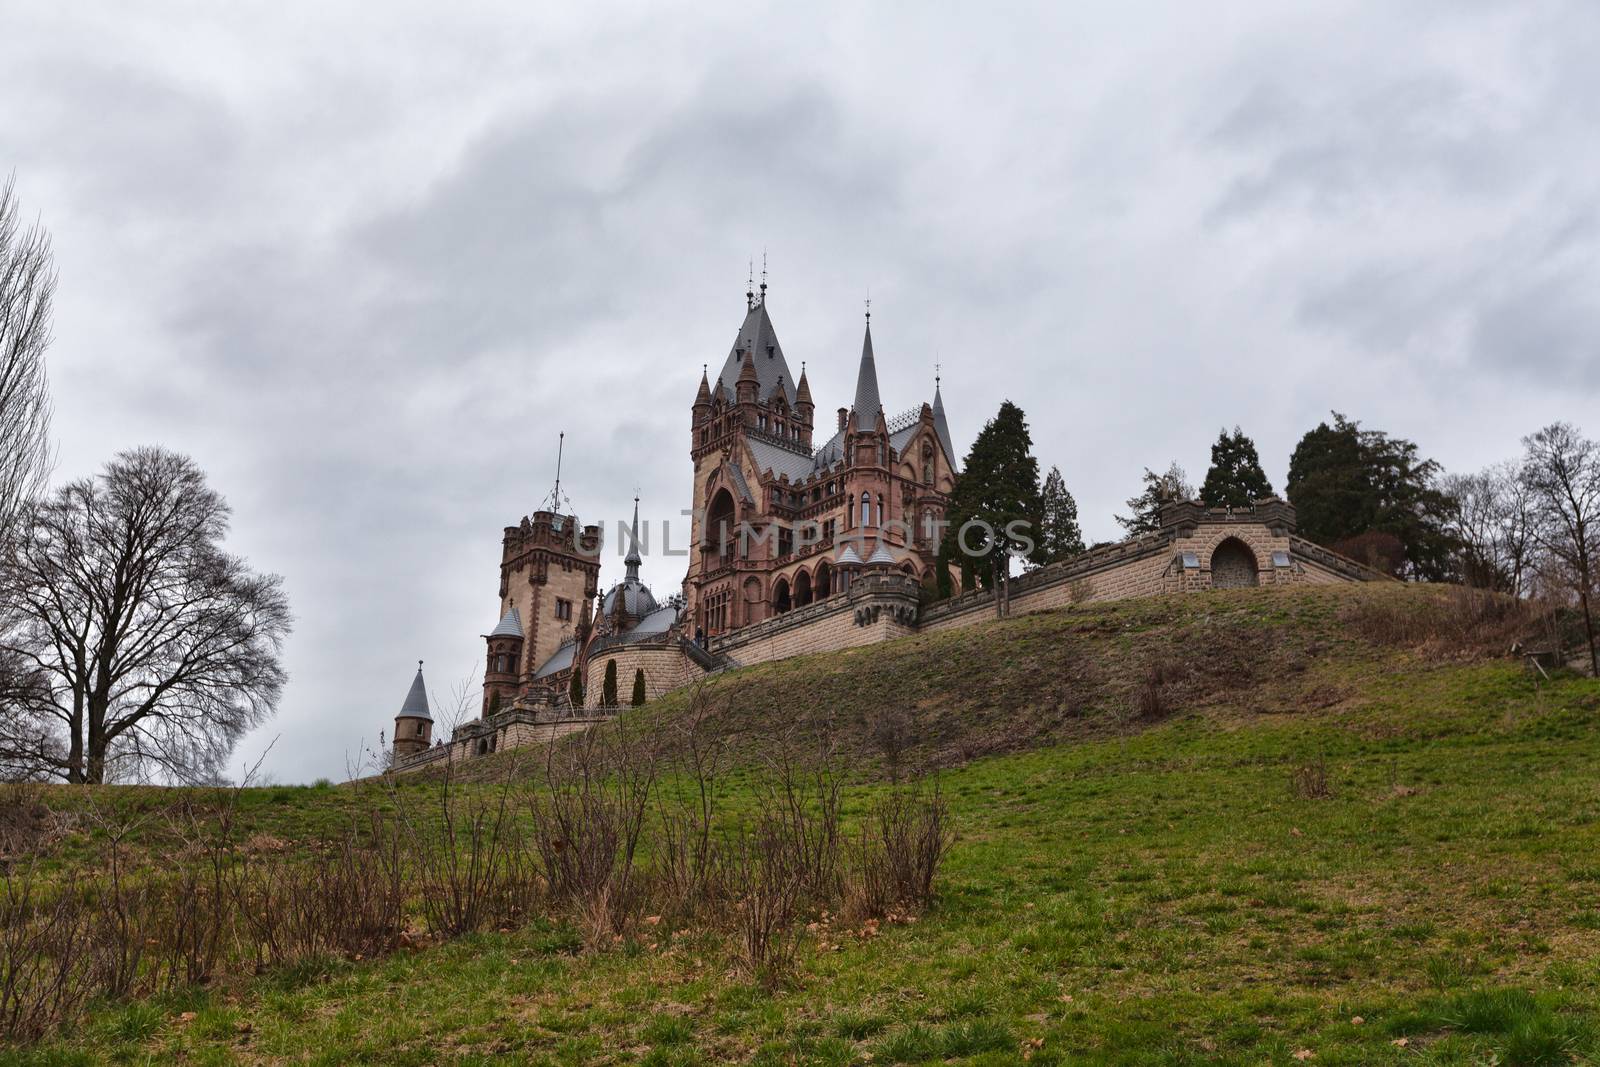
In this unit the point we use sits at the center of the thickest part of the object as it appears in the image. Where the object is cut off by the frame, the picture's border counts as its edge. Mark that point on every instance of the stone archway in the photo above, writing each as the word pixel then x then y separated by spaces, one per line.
pixel 802 589
pixel 780 596
pixel 823 587
pixel 1233 565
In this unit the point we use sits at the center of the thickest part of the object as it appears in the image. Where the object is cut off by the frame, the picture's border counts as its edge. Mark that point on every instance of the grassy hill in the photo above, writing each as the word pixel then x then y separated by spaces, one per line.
pixel 1326 826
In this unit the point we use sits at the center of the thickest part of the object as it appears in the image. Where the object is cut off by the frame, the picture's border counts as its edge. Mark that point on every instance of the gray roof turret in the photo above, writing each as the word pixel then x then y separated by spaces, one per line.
pixel 867 403
pixel 416 705
pixel 510 625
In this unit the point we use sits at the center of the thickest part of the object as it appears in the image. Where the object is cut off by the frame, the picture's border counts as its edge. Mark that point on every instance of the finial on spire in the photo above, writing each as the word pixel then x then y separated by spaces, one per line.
pixel 869 305
pixel 763 274
pixel 419 666
pixel 936 374
pixel 750 287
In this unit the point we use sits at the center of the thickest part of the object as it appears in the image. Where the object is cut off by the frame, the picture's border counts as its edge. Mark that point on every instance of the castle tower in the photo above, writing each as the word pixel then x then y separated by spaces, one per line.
pixel 548 568
pixel 503 663
pixel 413 727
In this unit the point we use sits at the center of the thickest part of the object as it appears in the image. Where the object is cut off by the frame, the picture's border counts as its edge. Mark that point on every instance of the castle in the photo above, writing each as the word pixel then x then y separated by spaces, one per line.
pixel 797 548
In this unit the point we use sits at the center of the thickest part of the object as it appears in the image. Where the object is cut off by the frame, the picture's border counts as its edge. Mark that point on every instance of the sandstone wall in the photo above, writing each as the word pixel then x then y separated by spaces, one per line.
pixel 665 667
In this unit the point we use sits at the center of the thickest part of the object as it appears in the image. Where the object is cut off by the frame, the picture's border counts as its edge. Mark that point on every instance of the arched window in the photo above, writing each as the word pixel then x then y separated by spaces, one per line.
pixel 780 596
pixel 866 510
pixel 802 589
pixel 823 586
pixel 880 509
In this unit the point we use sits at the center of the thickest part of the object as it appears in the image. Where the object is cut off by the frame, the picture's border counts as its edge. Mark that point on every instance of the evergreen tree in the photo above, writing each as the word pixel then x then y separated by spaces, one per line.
pixel 638 688
pixel 998 486
pixel 1061 538
pixel 1235 479
pixel 575 690
pixel 1348 483
pixel 1159 489
pixel 608 688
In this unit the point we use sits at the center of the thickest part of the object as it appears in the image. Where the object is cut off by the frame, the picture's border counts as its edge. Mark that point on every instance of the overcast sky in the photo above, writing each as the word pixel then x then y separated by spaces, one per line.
pixel 363 262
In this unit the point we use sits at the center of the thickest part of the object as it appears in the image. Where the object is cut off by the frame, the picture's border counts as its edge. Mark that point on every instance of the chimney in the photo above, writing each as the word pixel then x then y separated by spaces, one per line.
pixel 844 416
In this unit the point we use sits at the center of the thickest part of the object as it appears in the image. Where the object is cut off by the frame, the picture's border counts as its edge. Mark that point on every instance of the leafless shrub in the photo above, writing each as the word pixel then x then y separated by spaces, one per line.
pixel 691 869
pixel 772 881
pixel 802 795
pixel 1152 696
pixel 47 953
pixel 894 860
pixel 1309 781
pixel 1445 621
pixel 589 815
pixel 464 848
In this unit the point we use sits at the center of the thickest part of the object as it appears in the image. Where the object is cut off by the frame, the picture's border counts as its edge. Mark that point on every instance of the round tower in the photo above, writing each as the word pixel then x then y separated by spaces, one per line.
pixel 502 669
pixel 413 727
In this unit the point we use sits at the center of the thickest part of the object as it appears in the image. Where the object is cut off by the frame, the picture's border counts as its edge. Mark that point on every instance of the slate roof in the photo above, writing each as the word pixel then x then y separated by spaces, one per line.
pixel 881 554
pixel 756 332
pixel 416 705
pixel 847 555
pixel 510 625
pixel 867 403
pixel 780 460
pixel 559 660
pixel 638 600
pixel 942 428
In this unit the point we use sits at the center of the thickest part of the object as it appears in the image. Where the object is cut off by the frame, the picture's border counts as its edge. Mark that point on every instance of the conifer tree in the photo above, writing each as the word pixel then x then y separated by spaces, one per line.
pixel 1235 479
pixel 1159 489
pixel 1060 537
pixel 1350 485
pixel 608 688
pixel 575 690
pixel 638 688
pixel 998 487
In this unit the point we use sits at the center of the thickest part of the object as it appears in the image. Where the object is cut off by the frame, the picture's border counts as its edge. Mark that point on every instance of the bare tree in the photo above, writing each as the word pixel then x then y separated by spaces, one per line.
pixel 1492 520
pixel 152 646
pixel 27 289
pixel 1561 468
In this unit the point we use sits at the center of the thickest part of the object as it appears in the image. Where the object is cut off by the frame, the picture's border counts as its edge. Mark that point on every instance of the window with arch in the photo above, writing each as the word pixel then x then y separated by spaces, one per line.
pixel 866 510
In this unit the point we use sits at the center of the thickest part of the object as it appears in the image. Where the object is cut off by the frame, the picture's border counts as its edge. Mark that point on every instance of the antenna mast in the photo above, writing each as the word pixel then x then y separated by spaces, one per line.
pixel 556 499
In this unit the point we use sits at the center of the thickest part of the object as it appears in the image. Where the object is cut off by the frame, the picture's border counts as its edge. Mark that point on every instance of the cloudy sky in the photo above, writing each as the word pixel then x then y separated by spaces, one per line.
pixel 364 262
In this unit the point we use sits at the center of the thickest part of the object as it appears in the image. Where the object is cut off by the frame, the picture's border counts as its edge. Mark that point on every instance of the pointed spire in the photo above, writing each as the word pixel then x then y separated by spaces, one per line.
pixel 633 560
pixel 802 392
pixel 748 387
pixel 940 425
pixel 416 705
pixel 702 398
pixel 867 402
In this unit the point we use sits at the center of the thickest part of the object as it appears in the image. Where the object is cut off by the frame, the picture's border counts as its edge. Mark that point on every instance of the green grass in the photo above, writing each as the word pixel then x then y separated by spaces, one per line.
pixel 1119 892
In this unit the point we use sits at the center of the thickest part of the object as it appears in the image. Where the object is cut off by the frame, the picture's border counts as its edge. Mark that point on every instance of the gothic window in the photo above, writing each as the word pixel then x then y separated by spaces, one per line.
pixel 563 609
pixel 849 514
pixel 866 509
pixel 880 509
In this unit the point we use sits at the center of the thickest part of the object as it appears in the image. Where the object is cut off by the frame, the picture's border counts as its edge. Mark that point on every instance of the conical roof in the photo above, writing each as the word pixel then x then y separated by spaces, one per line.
pixel 880 555
pixel 848 556
pixel 802 391
pixel 941 427
pixel 633 560
pixel 510 625
pixel 757 336
pixel 867 403
pixel 416 705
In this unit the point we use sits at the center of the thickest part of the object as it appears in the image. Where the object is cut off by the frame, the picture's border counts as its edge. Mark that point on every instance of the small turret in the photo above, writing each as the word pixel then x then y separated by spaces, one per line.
pixel 503 667
pixel 702 400
pixel 413 726
pixel 802 397
pixel 748 388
